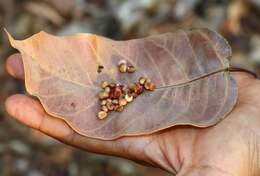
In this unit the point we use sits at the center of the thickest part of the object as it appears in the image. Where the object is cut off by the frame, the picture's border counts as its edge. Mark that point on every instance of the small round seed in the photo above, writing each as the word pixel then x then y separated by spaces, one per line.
pixel 119 108
pixel 122 102
pixel 132 86
pixel 102 115
pixel 122 68
pixel 103 95
pixel 107 89
pixel 138 89
pixel 110 106
pixel 115 102
pixel 152 86
pixel 109 100
pixel 149 86
pixel 117 92
pixel 103 102
pixel 129 98
pixel 130 69
pixel 104 108
pixel 100 68
pixel 104 84
pixel 142 80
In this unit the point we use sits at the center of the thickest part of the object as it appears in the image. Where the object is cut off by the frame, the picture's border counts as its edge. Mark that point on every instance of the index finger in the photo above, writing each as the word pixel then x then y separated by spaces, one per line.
pixel 14 66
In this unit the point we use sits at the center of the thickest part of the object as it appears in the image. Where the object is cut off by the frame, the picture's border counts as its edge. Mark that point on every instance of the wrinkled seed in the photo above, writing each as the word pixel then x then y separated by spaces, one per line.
pixel 122 102
pixel 103 95
pixel 104 84
pixel 129 98
pixel 142 80
pixel 104 108
pixel 102 115
pixel 123 68
pixel 130 69
pixel 103 102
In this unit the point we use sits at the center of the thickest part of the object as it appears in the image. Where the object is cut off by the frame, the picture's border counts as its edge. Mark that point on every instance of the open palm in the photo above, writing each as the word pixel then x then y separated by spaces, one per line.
pixel 229 148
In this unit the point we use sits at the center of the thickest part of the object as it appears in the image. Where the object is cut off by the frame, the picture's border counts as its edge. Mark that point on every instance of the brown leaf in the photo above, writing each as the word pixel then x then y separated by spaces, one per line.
pixel 189 67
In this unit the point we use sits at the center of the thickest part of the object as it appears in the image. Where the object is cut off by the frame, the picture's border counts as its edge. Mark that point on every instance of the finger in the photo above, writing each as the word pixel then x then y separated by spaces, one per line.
pixel 30 112
pixel 14 66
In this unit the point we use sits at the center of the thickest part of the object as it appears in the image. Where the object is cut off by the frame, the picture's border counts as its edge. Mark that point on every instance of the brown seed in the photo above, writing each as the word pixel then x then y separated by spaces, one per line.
pixel 112 85
pixel 124 89
pixel 107 89
pixel 100 68
pixel 152 86
pixel 110 106
pixel 103 102
pixel 142 80
pixel 138 89
pixel 129 98
pixel 117 92
pixel 103 95
pixel 149 86
pixel 132 86
pixel 104 84
pixel 130 69
pixel 104 108
pixel 119 108
pixel 102 115
pixel 122 102
pixel 122 68
pixel 115 102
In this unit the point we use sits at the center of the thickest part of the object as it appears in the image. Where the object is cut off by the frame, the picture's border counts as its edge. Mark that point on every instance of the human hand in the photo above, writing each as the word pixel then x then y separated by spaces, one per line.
pixel 229 148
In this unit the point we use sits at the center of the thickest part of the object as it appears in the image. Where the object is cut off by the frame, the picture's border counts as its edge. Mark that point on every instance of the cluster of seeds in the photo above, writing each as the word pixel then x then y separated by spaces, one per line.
pixel 123 67
pixel 115 97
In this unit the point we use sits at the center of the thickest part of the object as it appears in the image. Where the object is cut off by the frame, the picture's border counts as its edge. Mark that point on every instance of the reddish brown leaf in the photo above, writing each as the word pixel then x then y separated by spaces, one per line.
pixel 189 68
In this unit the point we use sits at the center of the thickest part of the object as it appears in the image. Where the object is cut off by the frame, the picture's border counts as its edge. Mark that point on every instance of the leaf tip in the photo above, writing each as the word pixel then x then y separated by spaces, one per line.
pixel 10 38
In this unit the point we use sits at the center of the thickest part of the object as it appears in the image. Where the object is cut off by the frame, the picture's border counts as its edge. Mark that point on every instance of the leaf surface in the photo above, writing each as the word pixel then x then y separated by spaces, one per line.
pixel 189 68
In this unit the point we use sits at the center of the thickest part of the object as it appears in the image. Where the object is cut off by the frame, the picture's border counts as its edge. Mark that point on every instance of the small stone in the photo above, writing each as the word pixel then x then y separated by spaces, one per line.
pixel 102 115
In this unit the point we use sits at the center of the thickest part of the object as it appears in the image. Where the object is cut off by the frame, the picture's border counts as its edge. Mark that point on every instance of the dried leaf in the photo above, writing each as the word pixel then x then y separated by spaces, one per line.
pixel 189 67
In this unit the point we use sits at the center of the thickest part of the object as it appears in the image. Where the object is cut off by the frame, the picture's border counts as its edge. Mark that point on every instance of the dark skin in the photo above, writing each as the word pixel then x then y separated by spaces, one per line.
pixel 230 148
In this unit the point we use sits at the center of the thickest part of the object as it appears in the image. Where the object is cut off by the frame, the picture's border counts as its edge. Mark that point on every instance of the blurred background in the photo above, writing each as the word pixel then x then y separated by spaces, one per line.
pixel 24 152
